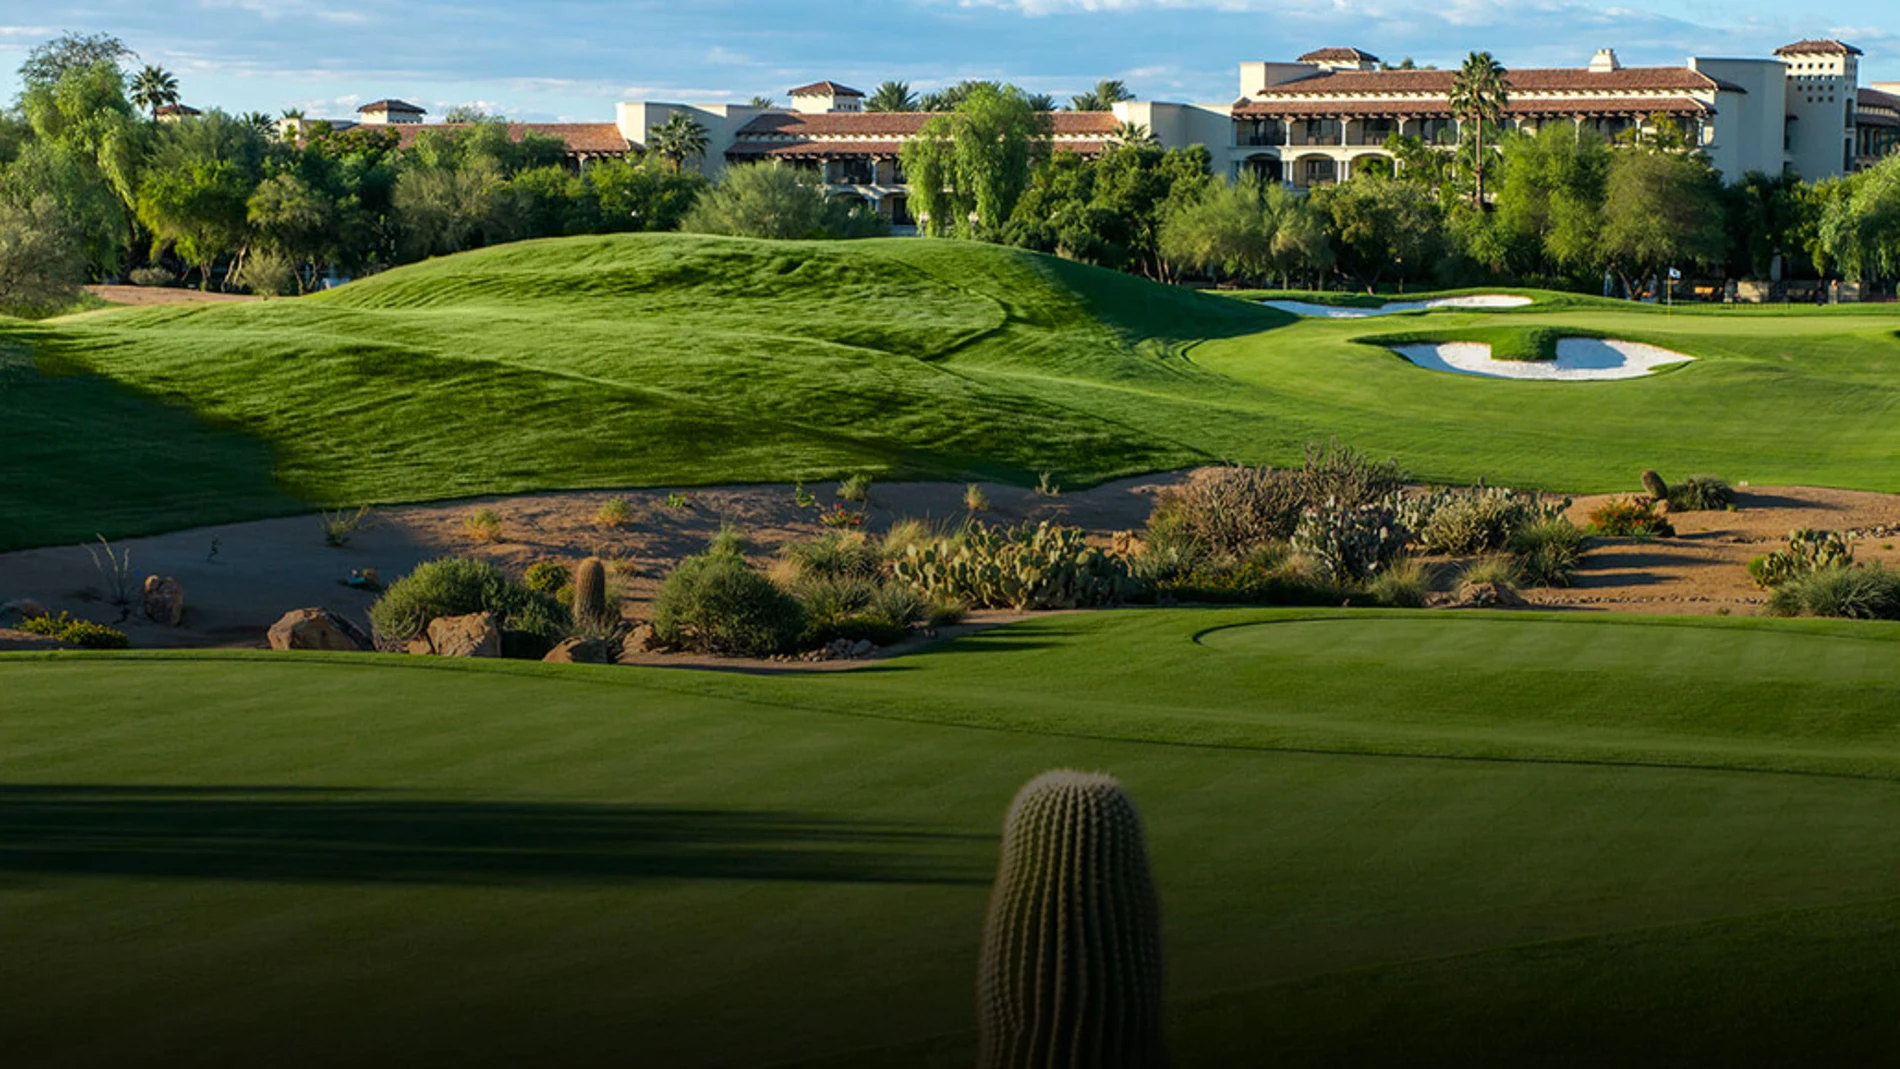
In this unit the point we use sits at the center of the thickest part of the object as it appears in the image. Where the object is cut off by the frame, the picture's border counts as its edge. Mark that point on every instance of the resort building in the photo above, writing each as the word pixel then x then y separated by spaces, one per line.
pixel 1308 122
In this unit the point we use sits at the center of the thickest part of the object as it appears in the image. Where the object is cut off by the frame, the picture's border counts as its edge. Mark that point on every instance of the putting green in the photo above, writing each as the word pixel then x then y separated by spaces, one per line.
pixel 1380 838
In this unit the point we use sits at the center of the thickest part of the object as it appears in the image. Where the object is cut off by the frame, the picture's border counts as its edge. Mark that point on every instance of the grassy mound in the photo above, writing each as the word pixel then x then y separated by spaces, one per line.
pixel 1506 342
pixel 672 359
pixel 1390 839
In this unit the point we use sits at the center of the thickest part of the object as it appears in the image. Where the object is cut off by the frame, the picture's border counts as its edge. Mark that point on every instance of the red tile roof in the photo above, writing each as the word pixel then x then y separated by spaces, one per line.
pixel 590 138
pixel 866 149
pixel 1822 47
pixel 1338 55
pixel 399 106
pixel 177 109
pixel 902 124
pixel 1527 80
pixel 1874 98
pixel 826 88
pixel 1521 108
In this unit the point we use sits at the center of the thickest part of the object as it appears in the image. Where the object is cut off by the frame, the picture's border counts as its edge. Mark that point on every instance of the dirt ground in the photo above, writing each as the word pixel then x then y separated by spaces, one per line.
pixel 151 295
pixel 239 578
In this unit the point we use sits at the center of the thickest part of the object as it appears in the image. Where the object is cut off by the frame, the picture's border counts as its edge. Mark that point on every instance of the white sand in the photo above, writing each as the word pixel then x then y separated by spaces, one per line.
pixel 1327 311
pixel 1578 360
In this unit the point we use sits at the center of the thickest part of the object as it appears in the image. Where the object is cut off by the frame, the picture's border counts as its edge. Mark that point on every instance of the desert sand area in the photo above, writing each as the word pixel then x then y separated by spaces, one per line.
pixel 239 578
pixel 145 296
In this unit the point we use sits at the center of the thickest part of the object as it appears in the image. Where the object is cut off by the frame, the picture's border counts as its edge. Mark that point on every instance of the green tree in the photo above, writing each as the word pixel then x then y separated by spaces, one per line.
pixel 1382 227
pixel 47 63
pixel 1661 210
pixel 86 150
pixel 1549 199
pixel 762 101
pixel 41 264
pixel 1478 99
pixel 1251 229
pixel 679 139
pixel 471 113
pixel 1858 231
pixel 289 216
pixel 1765 218
pixel 153 88
pixel 643 194
pixel 948 99
pixel 1108 210
pixel 198 210
pixel 968 168
pixel 890 97
pixel 1107 93
pixel 766 200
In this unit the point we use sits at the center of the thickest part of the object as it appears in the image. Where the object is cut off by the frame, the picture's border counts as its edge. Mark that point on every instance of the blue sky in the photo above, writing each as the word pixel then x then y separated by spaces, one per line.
pixel 571 59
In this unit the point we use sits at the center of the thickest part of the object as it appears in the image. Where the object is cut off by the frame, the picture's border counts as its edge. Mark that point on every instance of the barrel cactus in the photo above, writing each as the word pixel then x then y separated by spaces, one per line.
pixel 1654 486
pixel 590 593
pixel 1071 967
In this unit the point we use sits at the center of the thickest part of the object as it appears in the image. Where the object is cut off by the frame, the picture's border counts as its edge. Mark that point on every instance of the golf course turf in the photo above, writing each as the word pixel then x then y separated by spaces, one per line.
pixel 653 360
pixel 1379 837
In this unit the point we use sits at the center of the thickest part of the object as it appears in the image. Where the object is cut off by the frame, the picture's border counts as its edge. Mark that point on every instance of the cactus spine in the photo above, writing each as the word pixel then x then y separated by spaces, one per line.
pixel 1071 968
pixel 590 593
pixel 1654 486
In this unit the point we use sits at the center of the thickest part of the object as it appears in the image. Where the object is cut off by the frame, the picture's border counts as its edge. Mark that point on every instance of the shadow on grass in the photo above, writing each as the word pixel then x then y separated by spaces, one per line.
pixel 337 835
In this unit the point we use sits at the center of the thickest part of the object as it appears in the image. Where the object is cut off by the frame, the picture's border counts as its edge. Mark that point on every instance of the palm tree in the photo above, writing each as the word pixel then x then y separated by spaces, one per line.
pixel 261 122
pixel 154 88
pixel 762 101
pixel 678 139
pixel 892 96
pixel 1132 133
pixel 1041 102
pixel 1107 93
pixel 1478 96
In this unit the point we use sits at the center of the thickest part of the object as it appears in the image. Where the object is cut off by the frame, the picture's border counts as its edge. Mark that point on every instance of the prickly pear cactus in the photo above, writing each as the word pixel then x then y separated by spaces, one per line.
pixel 1071 968
pixel 590 592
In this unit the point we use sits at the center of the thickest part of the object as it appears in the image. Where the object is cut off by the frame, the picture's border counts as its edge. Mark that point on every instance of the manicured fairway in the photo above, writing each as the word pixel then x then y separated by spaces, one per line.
pixel 672 359
pixel 1380 839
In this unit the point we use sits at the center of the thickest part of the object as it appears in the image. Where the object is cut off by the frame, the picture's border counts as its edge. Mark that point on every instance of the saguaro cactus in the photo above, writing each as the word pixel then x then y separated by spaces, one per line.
pixel 590 593
pixel 1071 968
pixel 1654 486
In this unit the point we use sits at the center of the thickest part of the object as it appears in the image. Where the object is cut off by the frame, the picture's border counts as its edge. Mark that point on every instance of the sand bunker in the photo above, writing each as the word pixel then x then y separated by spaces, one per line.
pixel 1328 311
pixel 1578 360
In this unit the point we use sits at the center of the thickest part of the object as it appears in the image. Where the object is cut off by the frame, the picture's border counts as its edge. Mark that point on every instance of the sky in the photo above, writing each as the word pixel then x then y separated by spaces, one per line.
pixel 570 60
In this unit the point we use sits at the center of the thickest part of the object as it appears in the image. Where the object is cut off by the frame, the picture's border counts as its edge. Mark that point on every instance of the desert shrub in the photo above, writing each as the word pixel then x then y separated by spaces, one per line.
pixel 269 273
pixel 974 499
pixel 547 577
pixel 1701 493
pixel 730 541
pixel 1808 551
pixel 944 611
pixel 715 603
pixel 614 512
pixel 898 605
pixel 74 632
pixel 1547 552
pixel 1839 590
pixel 483 525
pixel 904 534
pixel 1350 543
pixel 857 488
pixel 832 554
pixel 1228 510
pixel 831 598
pixel 152 276
pixel 531 622
pixel 1251 581
pixel 840 518
pixel 1629 517
pixel 1046 485
pixel 1407 584
pixel 341 526
pixel 1336 472
pixel 1042 567
pixel 1473 523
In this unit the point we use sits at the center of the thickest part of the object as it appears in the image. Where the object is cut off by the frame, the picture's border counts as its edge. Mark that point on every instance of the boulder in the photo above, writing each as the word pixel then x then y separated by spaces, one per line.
pixel 581 651
pixel 1489 596
pixel 476 635
pixel 164 600
pixel 317 629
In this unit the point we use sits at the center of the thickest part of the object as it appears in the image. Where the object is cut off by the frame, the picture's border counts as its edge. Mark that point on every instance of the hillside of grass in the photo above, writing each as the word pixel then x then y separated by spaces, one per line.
pixel 655 360
pixel 1379 839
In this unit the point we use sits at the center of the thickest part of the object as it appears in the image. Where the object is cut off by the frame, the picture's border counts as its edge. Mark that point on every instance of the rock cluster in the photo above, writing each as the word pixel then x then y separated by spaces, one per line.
pixel 317 629
pixel 475 635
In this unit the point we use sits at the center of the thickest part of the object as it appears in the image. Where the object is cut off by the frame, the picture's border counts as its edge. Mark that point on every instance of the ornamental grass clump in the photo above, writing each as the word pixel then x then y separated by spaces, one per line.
pixel 1629 517
pixel 1701 493
pixel 1071 968
pixel 1839 590
pixel 1407 584
pixel 1548 552
pixel 1462 523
